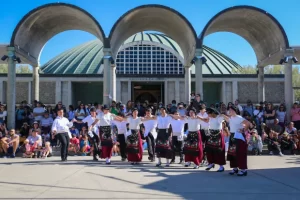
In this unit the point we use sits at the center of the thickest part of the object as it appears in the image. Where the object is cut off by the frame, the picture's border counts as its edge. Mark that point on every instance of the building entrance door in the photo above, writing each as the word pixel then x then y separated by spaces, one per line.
pixel 148 91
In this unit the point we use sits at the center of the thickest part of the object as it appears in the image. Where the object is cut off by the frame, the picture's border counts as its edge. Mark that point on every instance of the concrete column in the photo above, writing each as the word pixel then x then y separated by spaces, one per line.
pixel 113 83
pixel 198 73
pixel 261 84
pixel 234 91
pixel 70 100
pixel 36 82
pixel 187 82
pixel 58 91
pixel 166 93
pixel 11 88
pixel 29 100
pixel 106 76
pixel 118 91
pixel 1 92
pixel 129 92
pixel 177 92
pixel 288 88
pixel 224 92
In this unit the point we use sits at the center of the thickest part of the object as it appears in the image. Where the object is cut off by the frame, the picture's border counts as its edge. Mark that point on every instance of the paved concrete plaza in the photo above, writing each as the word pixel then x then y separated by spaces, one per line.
pixel 271 177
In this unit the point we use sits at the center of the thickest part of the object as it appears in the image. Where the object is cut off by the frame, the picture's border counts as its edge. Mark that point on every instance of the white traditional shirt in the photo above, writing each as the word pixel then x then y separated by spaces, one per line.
pixel 178 128
pixel 203 124
pixel 134 124
pixel 61 125
pixel 235 124
pixel 150 127
pixel 163 122
pixel 121 126
pixel 216 123
pixel 90 120
pixel 105 119
pixel 193 124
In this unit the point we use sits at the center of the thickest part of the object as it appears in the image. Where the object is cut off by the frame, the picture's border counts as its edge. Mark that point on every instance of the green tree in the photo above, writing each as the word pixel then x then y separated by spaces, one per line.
pixel 248 69
pixel 20 69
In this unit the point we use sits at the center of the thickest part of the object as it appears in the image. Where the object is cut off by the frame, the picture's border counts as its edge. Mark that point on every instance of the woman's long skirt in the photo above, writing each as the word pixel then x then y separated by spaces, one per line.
pixel 237 153
pixel 163 146
pixel 215 148
pixel 193 149
pixel 134 146
pixel 106 141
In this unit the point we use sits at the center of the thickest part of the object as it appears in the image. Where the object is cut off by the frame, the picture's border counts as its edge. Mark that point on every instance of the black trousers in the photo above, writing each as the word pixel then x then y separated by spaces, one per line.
pixel 274 147
pixel 95 142
pixel 177 147
pixel 121 140
pixel 289 146
pixel 151 145
pixel 65 141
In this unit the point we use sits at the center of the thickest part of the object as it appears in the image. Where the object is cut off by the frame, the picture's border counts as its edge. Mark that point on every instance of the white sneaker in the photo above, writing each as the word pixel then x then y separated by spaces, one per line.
pixel 271 153
pixel 281 154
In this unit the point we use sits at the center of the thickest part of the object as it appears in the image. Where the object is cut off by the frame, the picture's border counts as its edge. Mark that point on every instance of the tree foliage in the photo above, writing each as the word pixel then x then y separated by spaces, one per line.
pixel 20 69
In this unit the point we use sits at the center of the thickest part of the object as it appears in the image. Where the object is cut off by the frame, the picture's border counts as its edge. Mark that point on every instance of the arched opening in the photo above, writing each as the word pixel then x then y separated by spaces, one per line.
pixel 158 18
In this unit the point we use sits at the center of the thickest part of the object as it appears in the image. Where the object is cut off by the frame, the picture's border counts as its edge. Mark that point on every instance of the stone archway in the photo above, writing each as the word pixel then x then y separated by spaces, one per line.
pixel 32 33
pixel 263 32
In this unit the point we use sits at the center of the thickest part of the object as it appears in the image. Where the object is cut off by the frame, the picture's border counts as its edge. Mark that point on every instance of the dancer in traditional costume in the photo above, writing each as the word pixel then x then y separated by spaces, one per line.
pixel 193 149
pixel 105 119
pixel 163 147
pixel 133 137
pixel 215 145
pixel 204 130
pixel 177 136
pixel 122 129
pixel 237 151
pixel 150 133
pixel 94 133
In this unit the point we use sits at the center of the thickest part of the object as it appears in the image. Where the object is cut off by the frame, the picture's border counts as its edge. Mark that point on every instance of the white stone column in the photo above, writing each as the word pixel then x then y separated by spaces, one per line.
pixel 58 91
pixel 118 91
pixel 1 92
pixel 106 76
pixel 261 84
pixel 187 82
pixel 234 91
pixel 177 92
pixel 29 100
pixel 198 73
pixel 224 100
pixel 11 88
pixel 129 92
pixel 113 83
pixel 166 93
pixel 36 82
pixel 288 83
pixel 70 93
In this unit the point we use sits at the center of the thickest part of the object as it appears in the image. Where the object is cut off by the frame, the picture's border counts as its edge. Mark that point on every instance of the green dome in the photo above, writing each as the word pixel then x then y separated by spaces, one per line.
pixel 87 58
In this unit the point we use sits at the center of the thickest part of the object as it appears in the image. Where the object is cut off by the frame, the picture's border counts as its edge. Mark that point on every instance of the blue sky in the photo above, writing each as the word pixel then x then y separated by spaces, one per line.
pixel 198 12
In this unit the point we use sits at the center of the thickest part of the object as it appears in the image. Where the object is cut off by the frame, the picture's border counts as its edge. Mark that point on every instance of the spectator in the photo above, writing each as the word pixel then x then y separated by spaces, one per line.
pixel 38 112
pixel 28 151
pixel 255 144
pixel 281 115
pixel 74 144
pixel 80 114
pixel 47 150
pixel 192 96
pixel 290 129
pixel 50 111
pixel 3 114
pixel 286 143
pixel 28 116
pixel 258 115
pixel 141 109
pixel 10 144
pixel 84 145
pixel 223 109
pixel 181 110
pixel 35 126
pixel 35 141
pixel 240 108
pixel 46 123
pixel 276 127
pixel 269 114
pixel 248 108
pixel 123 109
pixel 173 107
pixel 99 109
pixel 19 116
pixel 295 114
pixel 273 143
pixel 3 130
pixel 113 109
pixel 197 102
pixel 71 113
pixel 74 131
